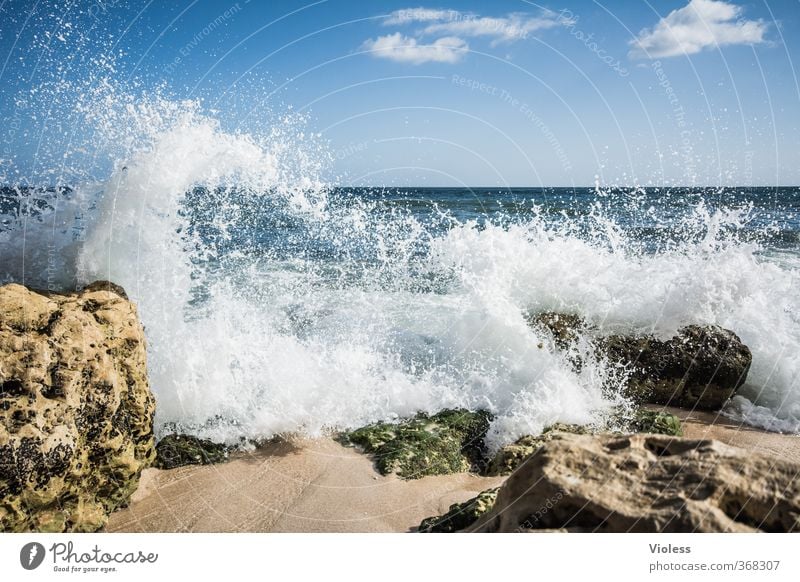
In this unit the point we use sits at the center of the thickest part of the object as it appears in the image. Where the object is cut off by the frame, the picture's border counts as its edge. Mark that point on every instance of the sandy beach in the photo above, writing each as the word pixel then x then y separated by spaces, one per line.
pixel 707 425
pixel 305 486
pixel 321 486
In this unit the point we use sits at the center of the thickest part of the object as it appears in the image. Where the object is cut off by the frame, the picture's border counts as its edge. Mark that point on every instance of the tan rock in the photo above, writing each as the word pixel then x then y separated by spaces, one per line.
pixel 646 483
pixel 76 412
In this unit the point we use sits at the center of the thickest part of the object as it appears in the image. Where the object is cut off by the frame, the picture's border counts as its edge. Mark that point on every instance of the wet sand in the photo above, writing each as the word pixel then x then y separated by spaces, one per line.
pixel 711 425
pixel 305 486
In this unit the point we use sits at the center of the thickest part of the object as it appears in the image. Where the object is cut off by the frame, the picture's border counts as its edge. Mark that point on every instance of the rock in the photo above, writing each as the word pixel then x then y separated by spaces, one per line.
pixel 646 483
pixel 450 441
pixel 509 457
pixel 76 412
pixel 460 515
pixel 106 286
pixel 700 368
pixel 656 422
pixel 178 450
pixel 565 328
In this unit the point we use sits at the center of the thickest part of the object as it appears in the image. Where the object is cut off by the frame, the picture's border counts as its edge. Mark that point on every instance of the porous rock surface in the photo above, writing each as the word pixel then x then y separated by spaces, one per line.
pixel 76 412
pixel 646 483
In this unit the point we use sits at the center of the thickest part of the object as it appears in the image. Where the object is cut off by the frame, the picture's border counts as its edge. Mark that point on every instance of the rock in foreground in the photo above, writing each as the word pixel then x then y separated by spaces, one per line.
pixel 511 456
pixel 76 413
pixel 646 483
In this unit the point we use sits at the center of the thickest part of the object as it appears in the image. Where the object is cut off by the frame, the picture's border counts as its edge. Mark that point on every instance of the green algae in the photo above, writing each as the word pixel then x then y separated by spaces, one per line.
pixel 177 450
pixel 450 441
pixel 460 515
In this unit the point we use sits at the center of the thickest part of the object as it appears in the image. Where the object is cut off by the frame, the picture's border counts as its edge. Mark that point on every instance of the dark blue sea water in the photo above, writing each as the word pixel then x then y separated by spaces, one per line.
pixel 652 219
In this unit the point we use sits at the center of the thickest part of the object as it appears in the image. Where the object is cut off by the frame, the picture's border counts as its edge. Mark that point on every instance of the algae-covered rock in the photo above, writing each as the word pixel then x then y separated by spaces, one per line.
pixel 76 412
pixel 448 442
pixel 699 368
pixel 177 450
pixel 460 515
pixel 656 422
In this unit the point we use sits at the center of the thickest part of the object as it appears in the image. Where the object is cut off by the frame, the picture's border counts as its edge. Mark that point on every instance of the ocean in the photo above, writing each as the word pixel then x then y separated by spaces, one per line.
pixel 274 302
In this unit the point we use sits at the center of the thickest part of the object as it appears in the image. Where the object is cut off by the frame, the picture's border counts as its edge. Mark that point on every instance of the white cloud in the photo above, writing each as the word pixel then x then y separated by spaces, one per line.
pixel 696 26
pixel 515 26
pixel 404 49
pixel 452 27
pixel 507 29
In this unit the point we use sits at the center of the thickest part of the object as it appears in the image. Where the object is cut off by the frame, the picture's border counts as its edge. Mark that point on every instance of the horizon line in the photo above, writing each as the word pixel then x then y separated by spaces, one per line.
pixel 485 187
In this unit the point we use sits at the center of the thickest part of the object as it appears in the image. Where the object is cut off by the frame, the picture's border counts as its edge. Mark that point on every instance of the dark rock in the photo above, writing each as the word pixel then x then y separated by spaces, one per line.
pixel 565 328
pixel 700 368
pixel 450 441
pixel 177 450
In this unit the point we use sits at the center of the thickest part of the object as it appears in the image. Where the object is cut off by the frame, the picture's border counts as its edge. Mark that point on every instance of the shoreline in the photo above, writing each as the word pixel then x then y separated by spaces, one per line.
pixel 287 486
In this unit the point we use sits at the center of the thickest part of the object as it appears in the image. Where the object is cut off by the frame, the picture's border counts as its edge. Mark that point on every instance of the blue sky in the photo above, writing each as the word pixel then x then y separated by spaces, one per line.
pixel 452 93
